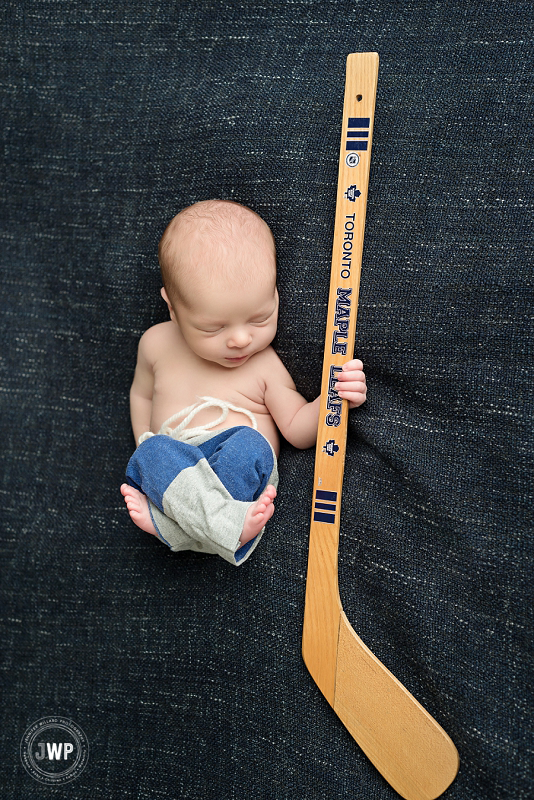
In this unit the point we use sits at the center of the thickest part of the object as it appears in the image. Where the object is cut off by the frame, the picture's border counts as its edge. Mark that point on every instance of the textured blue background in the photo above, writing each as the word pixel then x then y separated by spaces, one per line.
pixel 184 673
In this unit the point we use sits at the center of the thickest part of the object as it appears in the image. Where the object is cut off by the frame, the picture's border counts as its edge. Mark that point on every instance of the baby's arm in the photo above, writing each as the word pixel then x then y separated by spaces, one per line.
pixel 297 419
pixel 142 390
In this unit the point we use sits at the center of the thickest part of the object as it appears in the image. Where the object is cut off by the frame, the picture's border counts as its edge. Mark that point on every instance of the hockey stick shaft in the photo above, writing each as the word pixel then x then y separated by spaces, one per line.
pixel 399 736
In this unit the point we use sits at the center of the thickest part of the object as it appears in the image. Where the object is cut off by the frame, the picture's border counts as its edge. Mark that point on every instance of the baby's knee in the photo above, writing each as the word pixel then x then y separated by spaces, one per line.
pixel 250 439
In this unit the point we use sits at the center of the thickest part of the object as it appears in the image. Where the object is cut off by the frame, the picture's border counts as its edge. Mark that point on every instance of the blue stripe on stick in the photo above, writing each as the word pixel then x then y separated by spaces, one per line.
pixel 356 146
pixel 320 516
pixel 321 494
pixel 359 122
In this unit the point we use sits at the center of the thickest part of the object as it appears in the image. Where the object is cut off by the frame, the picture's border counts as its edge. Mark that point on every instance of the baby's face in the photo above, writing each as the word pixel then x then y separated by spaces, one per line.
pixel 229 324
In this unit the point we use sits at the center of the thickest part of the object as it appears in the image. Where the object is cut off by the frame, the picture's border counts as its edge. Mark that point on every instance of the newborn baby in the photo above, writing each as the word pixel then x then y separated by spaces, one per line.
pixel 208 483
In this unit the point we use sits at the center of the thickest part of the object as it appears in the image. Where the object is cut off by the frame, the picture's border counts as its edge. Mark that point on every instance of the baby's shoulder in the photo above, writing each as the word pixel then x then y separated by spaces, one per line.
pixel 156 337
pixel 265 357
pixel 271 365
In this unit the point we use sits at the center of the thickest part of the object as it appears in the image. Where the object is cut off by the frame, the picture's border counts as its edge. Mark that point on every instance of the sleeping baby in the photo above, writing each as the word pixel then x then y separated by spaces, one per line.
pixel 210 396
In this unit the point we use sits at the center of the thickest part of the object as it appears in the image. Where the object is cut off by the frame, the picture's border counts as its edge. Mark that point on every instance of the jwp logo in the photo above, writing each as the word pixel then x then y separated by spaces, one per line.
pixel 54 750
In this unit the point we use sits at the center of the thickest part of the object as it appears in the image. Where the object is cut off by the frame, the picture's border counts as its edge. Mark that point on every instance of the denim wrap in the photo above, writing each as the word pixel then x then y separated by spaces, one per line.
pixel 199 491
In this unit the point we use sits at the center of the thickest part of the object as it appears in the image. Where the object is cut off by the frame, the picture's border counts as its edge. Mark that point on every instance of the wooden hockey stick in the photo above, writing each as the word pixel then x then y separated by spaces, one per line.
pixel 409 748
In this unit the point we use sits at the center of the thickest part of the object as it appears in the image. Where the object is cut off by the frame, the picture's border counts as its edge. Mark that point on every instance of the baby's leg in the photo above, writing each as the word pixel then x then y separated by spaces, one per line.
pixel 190 505
pixel 256 518
pixel 243 461
pixel 137 505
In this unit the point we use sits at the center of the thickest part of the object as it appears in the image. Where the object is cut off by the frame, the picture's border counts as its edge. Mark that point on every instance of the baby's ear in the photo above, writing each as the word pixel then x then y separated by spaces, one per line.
pixel 169 306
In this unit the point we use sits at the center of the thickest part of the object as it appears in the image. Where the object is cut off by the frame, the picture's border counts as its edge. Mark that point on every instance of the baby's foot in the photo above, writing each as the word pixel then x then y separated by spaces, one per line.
pixel 258 514
pixel 137 505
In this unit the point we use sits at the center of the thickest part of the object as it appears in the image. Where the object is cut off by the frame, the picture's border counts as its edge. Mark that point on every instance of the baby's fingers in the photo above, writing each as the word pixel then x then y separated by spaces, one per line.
pixel 355 364
pixel 351 384
pixel 351 375
pixel 351 387
pixel 353 391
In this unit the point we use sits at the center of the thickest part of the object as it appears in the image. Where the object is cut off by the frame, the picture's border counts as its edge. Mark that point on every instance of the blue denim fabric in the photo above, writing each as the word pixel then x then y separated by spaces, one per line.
pixel 186 676
pixel 241 458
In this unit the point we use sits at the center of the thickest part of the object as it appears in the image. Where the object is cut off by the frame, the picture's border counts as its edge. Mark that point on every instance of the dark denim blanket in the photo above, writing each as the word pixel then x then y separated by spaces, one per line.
pixel 184 673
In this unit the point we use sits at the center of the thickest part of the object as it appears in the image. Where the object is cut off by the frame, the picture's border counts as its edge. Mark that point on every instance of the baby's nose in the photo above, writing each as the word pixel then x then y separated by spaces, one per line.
pixel 239 337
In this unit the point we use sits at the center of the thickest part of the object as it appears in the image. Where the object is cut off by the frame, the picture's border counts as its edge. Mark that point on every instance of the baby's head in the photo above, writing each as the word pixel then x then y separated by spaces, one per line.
pixel 218 264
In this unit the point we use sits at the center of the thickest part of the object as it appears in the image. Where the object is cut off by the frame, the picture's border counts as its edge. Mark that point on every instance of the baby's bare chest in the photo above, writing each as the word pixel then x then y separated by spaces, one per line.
pixel 183 378
pixel 179 381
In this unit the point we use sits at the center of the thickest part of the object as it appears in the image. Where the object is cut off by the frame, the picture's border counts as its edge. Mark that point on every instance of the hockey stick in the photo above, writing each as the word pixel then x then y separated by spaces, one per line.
pixel 409 748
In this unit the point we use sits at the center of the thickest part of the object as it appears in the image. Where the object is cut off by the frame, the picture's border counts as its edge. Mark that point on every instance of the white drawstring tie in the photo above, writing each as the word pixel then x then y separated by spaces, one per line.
pixel 180 432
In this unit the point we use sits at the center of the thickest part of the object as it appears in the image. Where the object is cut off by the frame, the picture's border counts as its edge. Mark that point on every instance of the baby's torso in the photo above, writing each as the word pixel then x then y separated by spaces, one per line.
pixel 181 378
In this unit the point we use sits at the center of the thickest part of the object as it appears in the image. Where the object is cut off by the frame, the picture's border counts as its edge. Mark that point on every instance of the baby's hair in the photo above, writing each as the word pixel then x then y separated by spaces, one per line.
pixel 215 227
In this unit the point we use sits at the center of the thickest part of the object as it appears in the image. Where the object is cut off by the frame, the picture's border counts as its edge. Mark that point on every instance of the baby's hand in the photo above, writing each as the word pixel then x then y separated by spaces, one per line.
pixel 351 383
